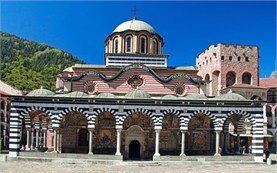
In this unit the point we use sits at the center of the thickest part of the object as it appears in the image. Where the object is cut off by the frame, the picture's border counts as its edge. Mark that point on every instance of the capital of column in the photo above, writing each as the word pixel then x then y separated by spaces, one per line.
pixel 158 129
pixel 119 127
pixel 90 129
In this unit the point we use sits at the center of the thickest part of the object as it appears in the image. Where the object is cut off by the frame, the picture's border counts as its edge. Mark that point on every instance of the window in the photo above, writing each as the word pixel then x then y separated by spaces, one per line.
pixel 246 59
pixel 128 44
pixel 222 57
pixel 154 47
pixel 230 58
pixel 239 58
pixel 246 78
pixel 115 45
pixel 135 81
pixel 180 89
pixel 230 79
pixel 143 44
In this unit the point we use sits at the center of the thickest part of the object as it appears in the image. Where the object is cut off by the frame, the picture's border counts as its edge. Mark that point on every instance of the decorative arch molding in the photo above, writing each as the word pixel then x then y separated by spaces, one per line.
pixel 26 114
pixel 239 112
pixel 171 111
pixel 135 66
pixel 204 112
pixel 155 118
pixel 74 109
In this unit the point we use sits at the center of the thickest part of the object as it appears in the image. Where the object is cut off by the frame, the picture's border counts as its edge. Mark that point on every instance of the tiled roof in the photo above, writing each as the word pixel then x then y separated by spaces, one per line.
pixel 245 86
pixel 7 89
pixel 268 82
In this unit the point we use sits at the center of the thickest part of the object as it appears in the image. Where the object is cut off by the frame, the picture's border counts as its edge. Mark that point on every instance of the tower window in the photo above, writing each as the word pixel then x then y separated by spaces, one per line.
pixel 115 45
pixel 246 78
pixel 246 59
pixel 154 47
pixel 128 44
pixel 143 44
pixel 230 58
pixel 222 58
pixel 239 58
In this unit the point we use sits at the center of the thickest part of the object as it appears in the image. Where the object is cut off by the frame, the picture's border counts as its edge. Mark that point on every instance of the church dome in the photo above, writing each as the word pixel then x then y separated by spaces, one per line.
pixel 231 96
pixel 137 94
pixel 41 93
pixel 135 25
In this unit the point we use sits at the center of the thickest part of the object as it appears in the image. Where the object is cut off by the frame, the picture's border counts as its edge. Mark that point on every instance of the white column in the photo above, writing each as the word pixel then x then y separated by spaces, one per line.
pixel 28 139
pixel 183 143
pixel 157 130
pixel 45 138
pixel 118 140
pixel 273 118
pixel 55 140
pixel 37 137
pixel 32 139
pixel 90 141
pixel 217 153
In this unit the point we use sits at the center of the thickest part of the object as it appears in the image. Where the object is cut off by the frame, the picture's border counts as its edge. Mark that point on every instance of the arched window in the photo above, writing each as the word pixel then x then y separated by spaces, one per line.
pixel 246 78
pixel 154 46
pixel 115 45
pixel 230 78
pixel 128 44
pixel 143 44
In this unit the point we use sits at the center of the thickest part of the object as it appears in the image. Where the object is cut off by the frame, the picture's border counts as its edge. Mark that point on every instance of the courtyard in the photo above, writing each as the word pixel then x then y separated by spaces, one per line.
pixel 124 167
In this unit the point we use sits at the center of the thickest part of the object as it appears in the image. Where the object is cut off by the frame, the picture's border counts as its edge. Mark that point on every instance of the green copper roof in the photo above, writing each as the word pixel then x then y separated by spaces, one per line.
pixel 76 94
pixel 137 94
pixel 195 96
pixel 231 96
pixel 105 95
pixel 169 97
pixel 41 93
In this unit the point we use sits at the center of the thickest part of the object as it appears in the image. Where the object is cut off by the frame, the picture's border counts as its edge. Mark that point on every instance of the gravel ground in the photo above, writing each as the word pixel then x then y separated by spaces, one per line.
pixel 56 167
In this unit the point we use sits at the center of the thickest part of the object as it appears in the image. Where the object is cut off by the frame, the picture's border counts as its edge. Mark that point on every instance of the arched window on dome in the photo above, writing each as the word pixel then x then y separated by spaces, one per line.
pixel 154 46
pixel 246 78
pixel 128 44
pixel 115 45
pixel 143 44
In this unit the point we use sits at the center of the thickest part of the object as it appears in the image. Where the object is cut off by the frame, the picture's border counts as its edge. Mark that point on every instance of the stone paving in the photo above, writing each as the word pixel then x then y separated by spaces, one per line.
pixel 136 167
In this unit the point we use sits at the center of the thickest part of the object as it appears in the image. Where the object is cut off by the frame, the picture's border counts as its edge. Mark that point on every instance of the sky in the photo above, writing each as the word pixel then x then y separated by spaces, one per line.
pixel 188 28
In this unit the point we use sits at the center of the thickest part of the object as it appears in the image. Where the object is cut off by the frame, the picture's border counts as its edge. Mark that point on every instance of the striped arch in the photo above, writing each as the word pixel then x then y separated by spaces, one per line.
pixel 73 109
pixel 97 112
pixel 155 118
pixel 171 111
pixel 26 114
pixel 238 112
pixel 204 112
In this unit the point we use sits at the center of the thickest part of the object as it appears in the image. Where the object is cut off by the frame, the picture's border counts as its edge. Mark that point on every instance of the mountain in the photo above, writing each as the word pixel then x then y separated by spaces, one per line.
pixel 28 65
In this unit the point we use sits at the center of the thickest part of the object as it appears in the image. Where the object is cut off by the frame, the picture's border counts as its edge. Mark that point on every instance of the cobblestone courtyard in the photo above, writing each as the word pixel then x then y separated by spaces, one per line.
pixel 50 167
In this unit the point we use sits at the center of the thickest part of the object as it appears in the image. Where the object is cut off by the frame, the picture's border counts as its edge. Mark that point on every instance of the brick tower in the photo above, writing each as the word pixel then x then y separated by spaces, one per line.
pixel 226 65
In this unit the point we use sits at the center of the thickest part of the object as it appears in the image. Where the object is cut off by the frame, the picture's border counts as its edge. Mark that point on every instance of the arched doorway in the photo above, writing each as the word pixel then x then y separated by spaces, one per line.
pixel 139 127
pixel 134 150
pixel 73 135
pixel 237 131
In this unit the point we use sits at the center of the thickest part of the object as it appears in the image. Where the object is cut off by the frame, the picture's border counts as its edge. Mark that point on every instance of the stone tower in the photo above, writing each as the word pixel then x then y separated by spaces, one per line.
pixel 228 64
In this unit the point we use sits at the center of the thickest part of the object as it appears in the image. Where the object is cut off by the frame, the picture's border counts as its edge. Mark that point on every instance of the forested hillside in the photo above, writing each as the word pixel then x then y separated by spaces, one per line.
pixel 28 65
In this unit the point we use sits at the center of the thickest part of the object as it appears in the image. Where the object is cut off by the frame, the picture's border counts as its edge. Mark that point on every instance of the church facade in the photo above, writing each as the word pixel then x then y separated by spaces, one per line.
pixel 135 107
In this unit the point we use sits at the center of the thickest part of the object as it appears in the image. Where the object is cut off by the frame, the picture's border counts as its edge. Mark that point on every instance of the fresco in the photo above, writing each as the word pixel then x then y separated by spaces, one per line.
pixel 104 134
pixel 200 137
pixel 170 137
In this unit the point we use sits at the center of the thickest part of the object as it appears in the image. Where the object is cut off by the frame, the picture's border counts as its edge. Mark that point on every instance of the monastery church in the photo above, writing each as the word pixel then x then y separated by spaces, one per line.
pixel 135 107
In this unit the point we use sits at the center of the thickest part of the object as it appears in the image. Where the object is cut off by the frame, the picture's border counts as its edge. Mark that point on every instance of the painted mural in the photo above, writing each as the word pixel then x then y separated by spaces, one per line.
pixel 170 135
pixel 145 122
pixel 104 134
pixel 200 134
